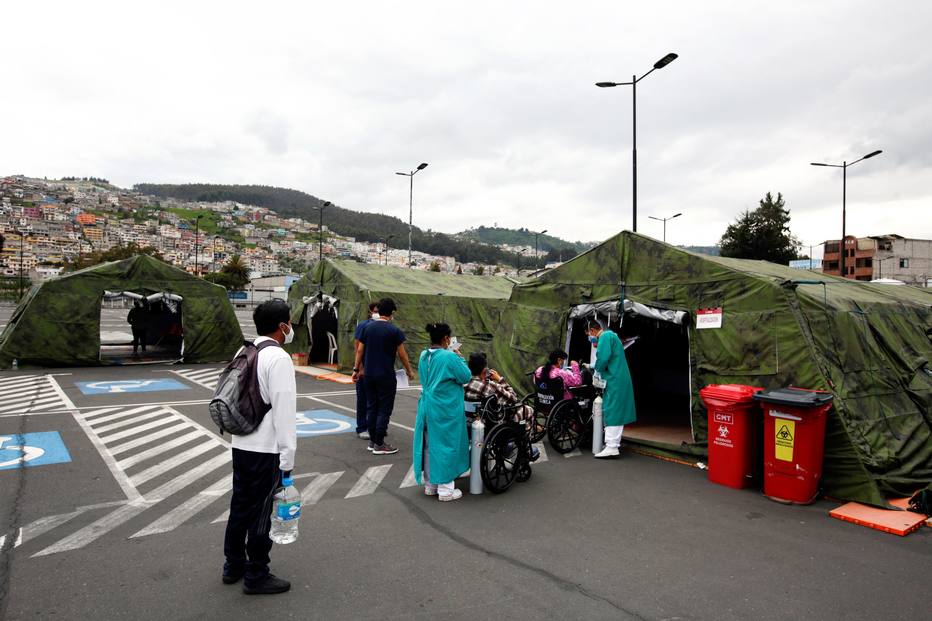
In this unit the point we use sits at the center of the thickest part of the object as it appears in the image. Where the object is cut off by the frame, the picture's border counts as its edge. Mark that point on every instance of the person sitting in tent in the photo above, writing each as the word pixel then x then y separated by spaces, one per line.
pixel 618 399
pixel 441 446
pixel 554 369
pixel 486 382
pixel 138 319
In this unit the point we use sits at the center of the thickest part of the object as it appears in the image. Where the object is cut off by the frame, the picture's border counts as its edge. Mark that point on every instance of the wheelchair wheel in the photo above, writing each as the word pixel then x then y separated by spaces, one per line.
pixel 564 429
pixel 524 472
pixel 500 462
pixel 539 426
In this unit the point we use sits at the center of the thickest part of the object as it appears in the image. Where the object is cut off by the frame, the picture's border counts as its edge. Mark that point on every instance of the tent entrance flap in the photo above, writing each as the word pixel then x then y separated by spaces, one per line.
pixel 657 350
pixel 140 328
pixel 322 317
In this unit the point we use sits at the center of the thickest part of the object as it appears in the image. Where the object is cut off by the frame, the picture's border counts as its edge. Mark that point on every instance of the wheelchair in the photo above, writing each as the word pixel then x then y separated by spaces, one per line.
pixel 506 450
pixel 547 393
pixel 570 423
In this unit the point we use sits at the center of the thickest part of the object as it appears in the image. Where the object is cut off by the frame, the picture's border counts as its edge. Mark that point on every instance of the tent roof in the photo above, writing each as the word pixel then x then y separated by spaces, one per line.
pixel 388 279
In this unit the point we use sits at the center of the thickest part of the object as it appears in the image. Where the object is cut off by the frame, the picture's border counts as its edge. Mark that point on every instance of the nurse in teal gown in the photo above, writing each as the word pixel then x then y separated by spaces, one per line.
pixel 441 445
pixel 618 395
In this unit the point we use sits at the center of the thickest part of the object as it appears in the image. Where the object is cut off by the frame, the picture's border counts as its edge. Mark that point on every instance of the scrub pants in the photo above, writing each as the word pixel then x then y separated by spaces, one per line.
pixel 362 414
pixel 380 401
pixel 613 436
pixel 444 489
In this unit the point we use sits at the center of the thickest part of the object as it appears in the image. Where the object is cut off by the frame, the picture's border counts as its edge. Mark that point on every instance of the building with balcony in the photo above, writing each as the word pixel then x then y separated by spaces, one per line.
pixel 881 256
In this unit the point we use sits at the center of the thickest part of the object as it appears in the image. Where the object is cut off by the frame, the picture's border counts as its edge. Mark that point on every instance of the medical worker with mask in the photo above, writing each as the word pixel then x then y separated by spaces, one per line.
pixel 618 398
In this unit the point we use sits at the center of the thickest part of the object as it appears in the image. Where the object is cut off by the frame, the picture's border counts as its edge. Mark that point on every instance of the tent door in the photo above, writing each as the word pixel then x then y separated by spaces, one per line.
pixel 155 333
pixel 322 325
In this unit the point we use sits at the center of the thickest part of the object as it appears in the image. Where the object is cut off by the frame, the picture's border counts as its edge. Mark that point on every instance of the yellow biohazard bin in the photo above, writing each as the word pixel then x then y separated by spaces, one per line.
pixel 794 442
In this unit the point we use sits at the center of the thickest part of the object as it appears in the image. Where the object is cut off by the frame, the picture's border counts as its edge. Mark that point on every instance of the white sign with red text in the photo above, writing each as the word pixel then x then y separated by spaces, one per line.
pixel 708 318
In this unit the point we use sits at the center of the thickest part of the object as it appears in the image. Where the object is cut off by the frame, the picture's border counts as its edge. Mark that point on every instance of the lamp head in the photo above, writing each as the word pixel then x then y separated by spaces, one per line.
pixel 422 166
pixel 666 60
pixel 605 84
pixel 872 154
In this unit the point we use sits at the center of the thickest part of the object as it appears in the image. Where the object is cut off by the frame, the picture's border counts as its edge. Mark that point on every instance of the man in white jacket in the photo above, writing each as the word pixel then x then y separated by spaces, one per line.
pixel 261 458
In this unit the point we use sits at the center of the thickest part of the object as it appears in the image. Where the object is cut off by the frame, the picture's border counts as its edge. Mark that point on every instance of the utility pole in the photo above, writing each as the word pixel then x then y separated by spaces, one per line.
pixel 410 175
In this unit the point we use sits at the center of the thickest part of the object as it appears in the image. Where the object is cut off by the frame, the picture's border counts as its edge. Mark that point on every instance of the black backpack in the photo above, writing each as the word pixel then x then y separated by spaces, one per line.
pixel 237 406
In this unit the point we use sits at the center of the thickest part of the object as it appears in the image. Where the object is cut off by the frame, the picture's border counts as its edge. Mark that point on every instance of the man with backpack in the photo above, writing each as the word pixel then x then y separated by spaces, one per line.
pixel 263 454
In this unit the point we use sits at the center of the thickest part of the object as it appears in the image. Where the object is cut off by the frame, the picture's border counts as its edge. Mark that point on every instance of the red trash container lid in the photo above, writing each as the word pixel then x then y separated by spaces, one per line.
pixel 736 393
pixel 795 397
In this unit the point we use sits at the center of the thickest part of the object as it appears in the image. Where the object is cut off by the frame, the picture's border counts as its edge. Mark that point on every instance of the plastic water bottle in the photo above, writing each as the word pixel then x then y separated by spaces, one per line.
pixel 475 462
pixel 597 436
pixel 286 511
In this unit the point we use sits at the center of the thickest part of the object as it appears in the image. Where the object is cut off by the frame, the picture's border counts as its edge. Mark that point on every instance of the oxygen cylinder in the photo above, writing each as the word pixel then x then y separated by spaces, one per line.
pixel 478 440
pixel 597 430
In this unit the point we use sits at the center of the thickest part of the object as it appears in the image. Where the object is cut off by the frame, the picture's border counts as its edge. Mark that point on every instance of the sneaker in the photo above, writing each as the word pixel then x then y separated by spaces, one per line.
pixel 535 454
pixel 269 586
pixel 608 453
pixel 456 495
pixel 430 490
pixel 232 576
pixel 363 435
pixel 384 449
pixel 371 446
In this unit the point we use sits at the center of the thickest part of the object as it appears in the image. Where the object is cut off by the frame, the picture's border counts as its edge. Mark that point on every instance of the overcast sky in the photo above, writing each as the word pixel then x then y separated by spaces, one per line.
pixel 334 98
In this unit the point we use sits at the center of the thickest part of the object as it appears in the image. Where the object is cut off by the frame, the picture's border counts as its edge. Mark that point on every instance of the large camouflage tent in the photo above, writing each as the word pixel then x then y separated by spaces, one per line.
pixel 58 322
pixel 868 344
pixel 472 305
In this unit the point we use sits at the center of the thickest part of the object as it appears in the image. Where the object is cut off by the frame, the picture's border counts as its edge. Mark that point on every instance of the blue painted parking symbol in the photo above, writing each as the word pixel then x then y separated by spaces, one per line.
pixel 323 423
pixel 32 449
pixel 110 387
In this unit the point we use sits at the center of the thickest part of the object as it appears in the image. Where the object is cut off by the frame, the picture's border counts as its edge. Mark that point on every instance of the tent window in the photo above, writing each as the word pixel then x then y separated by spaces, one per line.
pixel 746 344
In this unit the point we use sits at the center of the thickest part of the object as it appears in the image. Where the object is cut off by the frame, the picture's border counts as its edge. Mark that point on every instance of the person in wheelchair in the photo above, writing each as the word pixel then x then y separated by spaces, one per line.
pixel 441 446
pixel 486 382
pixel 553 369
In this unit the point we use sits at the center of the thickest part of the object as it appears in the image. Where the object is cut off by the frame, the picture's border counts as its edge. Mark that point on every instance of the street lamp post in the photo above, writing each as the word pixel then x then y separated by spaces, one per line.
pixel 22 241
pixel 197 223
pixel 536 246
pixel 660 64
pixel 664 220
pixel 410 175
pixel 844 182
pixel 880 265
pixel 384 247
pixel 320 230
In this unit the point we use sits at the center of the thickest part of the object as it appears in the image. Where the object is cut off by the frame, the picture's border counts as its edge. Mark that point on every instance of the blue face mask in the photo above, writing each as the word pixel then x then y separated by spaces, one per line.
pixel 594 340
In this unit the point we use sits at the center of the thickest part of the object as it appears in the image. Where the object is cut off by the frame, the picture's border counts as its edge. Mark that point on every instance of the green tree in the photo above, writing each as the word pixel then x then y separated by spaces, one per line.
pixel 435 266
pixel 479 270
pixel 762 234
pixel 237 272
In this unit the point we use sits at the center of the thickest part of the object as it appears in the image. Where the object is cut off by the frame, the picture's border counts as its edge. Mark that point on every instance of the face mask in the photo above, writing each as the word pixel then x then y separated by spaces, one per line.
pixel 290 335
pixel 375 315
pixel 594 340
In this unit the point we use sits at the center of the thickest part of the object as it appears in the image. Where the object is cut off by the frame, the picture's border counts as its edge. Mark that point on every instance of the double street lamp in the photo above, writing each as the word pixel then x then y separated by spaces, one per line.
pixel 320 230
pixel 410 175
pixel 844 182
pixel 660 64
pixel 197 223
pixel 536 246
pixel 664 220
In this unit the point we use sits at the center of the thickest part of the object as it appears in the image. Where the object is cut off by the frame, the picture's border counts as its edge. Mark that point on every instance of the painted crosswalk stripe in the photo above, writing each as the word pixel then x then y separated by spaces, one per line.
pixel 46 524
pixel 207 378
pixel 137 430
pixel 369 481
pixel 148 439
pixel 318 487
pixel 94 531
pixel 185 511
pixel 574 453
pixel 159 449
pixel 126 422
pixel 98 417
pixel 24 394
pixel 543 453
pixel 409 480
pixel 170 464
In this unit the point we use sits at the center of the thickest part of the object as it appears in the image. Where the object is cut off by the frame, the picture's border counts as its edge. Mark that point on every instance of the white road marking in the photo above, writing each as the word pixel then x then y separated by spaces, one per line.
pixel 126 422
pixel 159 449
pixel 185 511
pixel 409 480
pixel 171 418
pixel 574 453
pixel 318 487
pixel 95 418
pixel 94 531
pixel 146 439
pixel 107 455
pixel 169 464
pixel 352 411
pixel 543 453
pixel 369 481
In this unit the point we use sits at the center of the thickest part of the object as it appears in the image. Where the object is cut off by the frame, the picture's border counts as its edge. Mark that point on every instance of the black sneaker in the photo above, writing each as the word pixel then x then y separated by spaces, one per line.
pixel 269 586
pixel 384 449
pixel 231 576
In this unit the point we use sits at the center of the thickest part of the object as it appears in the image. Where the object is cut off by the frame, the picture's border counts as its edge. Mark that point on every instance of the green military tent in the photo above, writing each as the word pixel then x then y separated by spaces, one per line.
pixel 339 291
pixel 768 326
pixel 58 322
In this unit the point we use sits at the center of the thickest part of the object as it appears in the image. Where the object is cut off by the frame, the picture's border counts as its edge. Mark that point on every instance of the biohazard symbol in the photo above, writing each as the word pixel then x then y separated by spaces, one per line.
pixel 723 431
pixel 784 434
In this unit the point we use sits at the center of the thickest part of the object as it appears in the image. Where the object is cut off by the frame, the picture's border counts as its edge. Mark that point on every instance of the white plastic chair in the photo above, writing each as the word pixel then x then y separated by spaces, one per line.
pixel 333 347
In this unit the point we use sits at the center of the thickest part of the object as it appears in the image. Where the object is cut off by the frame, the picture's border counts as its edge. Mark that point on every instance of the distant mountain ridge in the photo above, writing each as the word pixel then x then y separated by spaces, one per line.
pixel 552 247
pixel 370 227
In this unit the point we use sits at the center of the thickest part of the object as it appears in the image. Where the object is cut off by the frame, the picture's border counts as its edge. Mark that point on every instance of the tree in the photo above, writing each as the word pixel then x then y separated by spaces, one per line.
pixel 479 270
pixel 237 272
pixel 762 234
pixel 435 266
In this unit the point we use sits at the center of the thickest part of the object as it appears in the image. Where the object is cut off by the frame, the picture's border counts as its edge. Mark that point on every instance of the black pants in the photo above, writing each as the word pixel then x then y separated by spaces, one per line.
pixel 246 545
pixel 139 338
pixel 362 411
pixel 380 401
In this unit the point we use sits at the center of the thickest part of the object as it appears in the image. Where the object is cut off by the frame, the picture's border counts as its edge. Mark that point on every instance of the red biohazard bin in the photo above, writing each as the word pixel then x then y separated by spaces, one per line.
pixel 734 429
pixel 794 442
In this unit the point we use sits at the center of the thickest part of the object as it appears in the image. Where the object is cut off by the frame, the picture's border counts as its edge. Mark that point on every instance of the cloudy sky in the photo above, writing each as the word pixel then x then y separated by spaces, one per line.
pixel 334 98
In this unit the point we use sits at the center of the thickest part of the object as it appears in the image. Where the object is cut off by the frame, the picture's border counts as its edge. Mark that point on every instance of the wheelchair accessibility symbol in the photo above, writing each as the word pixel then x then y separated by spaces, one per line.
pixel 125 386
pixel 323 423
pixel 32 449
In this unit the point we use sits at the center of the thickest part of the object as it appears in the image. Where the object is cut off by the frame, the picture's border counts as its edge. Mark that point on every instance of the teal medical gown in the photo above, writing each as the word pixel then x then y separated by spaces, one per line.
pixel 441 412
pixel 618 397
